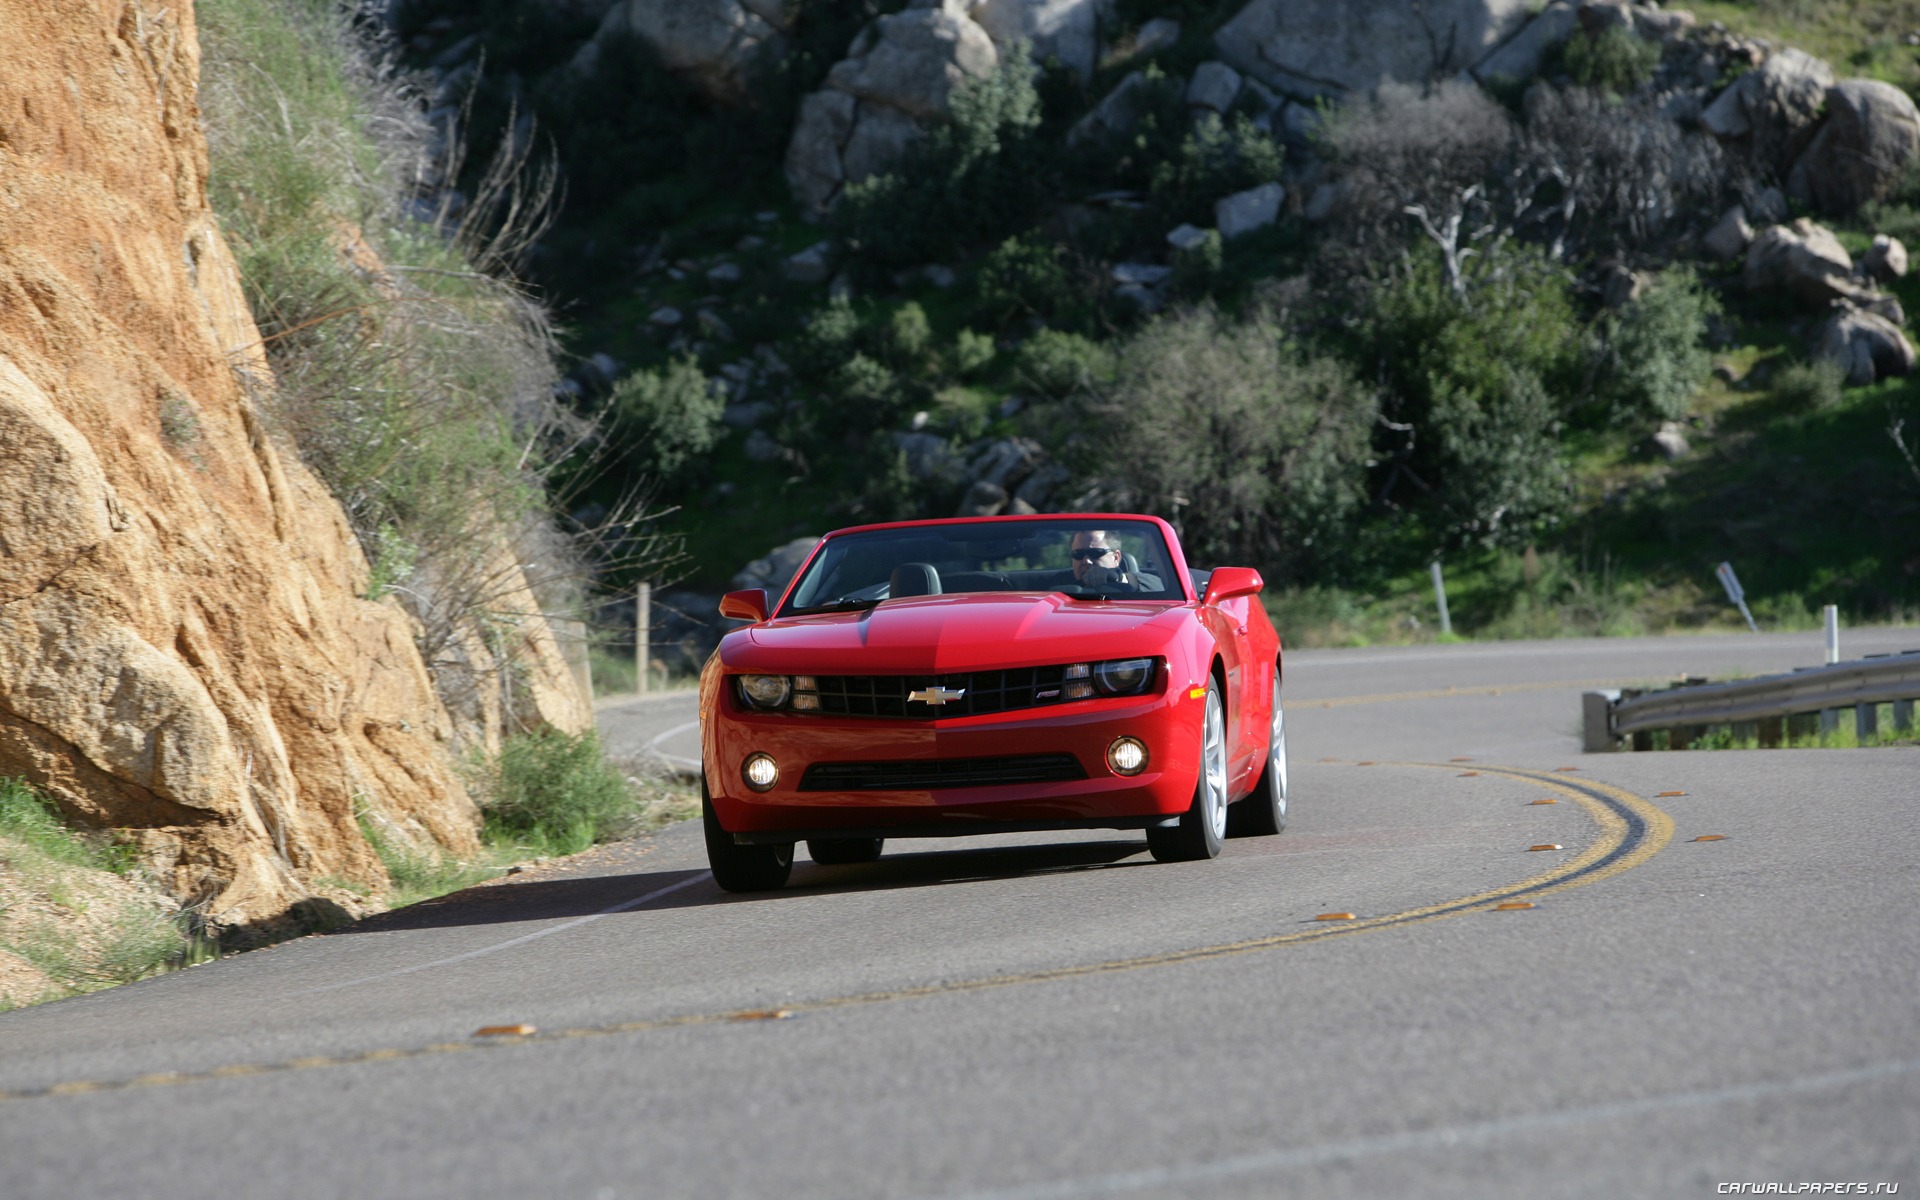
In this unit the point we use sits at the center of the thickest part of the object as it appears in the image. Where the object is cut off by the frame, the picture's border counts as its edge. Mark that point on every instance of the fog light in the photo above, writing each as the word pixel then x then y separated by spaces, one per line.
pixel 760 771
pixel 1127 756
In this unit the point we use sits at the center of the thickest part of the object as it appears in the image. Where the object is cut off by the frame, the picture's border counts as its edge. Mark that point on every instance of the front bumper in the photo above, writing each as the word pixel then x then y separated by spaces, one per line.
pixel 1169 724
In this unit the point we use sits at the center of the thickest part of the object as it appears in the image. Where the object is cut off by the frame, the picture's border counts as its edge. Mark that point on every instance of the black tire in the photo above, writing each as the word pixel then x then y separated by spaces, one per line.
pixel 833 852
pixel 1263 812
pixel 740 868
pixel 1204 825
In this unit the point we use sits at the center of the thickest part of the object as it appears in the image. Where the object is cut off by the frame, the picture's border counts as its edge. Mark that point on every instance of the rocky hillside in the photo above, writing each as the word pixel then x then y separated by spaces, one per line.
pixel 186 654
pixel 1340 287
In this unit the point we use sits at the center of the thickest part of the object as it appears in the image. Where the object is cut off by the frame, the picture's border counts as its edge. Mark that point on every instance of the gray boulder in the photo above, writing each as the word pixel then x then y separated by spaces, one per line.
pixel 1773 109
pixel 1521 56
pixel 1802 259
pixel 1244 212
pixel 1156 35
pixel 1186 237
pixel 901 70
pixel 1885 261
pixel 775 571
pixel 1862 149
pixel 929 458
pixel 812 265
pixel 1214 85
pixel 911 61
pixel 1115 115
pixel 983 499
pixel 1671 441
pixel 1007 461
pixel 1866 346
pixel 1309 48
pixel 713 43
pixel 1067 30
pixel 761 447
pixel 1730 237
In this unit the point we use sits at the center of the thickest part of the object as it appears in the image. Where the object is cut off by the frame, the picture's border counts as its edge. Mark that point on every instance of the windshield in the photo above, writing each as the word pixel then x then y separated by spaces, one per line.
pixel 1091 559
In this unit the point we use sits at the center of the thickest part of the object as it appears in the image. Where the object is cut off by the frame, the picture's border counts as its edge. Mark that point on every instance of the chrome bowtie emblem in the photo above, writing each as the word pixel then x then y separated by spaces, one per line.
pixel 936 695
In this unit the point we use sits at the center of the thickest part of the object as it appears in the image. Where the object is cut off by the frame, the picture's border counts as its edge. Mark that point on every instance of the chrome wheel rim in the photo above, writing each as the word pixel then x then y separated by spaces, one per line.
pixel 1277 757
pixel 1213 766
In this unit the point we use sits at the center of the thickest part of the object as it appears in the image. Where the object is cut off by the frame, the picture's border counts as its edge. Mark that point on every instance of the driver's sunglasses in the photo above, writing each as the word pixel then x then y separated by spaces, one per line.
pixel 1093 553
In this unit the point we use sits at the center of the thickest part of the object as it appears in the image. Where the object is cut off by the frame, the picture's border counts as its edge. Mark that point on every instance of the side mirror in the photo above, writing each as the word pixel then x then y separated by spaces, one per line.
pixel 1228 582
pixel 750 605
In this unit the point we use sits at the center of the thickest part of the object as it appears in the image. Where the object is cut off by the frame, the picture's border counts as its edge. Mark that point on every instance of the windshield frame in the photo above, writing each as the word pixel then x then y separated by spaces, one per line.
pixel 1182 584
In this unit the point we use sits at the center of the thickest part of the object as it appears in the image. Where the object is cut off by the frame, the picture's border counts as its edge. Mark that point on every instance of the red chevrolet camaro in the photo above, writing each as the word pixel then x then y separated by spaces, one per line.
pixel 990 675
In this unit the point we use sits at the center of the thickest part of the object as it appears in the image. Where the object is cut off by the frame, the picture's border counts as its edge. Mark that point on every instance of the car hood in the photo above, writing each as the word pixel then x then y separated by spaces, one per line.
pixel 937 634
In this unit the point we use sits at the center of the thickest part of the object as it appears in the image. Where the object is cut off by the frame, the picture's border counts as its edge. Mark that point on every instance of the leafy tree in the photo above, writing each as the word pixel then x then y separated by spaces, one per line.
pixel 1257 447
pixel 1477 382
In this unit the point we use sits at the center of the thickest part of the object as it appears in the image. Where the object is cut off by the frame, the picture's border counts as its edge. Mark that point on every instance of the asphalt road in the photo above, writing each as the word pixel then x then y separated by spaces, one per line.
pixel 1057 1016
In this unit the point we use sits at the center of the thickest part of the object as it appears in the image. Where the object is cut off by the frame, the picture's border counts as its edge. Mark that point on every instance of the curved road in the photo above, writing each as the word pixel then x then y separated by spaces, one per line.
pixel 1057 1016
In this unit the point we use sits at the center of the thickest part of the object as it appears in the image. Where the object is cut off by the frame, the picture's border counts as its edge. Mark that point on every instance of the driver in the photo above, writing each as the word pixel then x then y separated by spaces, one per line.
pixel 1099 562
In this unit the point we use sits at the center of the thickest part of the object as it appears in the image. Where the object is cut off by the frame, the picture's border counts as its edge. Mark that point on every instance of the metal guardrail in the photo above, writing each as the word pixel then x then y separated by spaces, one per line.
pixel 1768 701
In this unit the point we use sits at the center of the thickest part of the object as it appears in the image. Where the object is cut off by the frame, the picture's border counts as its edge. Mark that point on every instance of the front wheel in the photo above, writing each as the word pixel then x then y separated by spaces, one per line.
pixel 740 868
pixel 1204 825
pixel 1264 810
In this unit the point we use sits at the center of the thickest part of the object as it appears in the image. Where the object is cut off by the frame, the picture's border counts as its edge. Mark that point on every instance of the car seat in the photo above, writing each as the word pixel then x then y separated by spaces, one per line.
pixel 913 579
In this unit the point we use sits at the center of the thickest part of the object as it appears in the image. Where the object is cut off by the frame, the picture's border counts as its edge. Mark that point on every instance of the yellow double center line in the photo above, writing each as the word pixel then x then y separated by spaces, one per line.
pixel 1631 832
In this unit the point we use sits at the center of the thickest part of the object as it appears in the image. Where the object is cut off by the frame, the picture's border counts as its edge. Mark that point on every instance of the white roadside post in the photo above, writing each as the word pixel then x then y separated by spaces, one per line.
pixel 1830 617
pixel 1731 582
pixel 1440 598
pixel 642 635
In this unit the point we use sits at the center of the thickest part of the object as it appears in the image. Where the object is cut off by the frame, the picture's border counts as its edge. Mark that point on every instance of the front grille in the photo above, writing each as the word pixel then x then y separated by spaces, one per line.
pixel 935 773
pixel 985 692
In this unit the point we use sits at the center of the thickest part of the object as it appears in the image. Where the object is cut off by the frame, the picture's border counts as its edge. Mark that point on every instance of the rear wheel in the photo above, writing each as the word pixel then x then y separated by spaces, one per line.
pixel 1202 828
pixel 740 868
pixel 833 852
pixel 1264 811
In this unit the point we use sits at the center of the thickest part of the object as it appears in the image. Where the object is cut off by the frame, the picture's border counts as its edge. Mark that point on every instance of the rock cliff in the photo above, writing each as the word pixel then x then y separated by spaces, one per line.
pixel 184 651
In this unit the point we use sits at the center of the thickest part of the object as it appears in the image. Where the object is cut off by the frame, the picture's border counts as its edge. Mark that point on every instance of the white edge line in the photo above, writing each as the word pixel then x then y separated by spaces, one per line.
pixel 1178 1178
pixel 623 906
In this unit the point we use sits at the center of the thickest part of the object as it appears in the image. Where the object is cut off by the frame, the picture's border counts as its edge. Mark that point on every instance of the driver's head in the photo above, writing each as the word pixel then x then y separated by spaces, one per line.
pixel 1094 548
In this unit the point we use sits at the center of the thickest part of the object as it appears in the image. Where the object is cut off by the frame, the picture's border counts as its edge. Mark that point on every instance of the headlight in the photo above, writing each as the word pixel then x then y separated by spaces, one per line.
pixel 1123 677
pixel 765 691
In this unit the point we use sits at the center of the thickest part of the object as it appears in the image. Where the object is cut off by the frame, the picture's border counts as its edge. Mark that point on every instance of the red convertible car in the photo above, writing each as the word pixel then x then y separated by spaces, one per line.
pixel 985 675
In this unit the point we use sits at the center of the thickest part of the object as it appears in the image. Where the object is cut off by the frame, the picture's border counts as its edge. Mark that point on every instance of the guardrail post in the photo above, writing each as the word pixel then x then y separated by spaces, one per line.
pixel 1866 720
pixel 1772 732
pixel 1829 721
pixel 1903 714
pixel 1596 709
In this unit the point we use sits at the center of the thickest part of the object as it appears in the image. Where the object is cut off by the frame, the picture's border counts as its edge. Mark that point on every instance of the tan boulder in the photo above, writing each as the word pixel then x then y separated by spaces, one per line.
pixel 1804 259
pixel 184 650
pixel 1865 346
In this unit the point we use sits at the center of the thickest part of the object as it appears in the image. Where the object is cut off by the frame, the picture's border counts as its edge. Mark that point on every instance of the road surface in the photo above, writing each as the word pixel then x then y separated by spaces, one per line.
pixel 1058 1016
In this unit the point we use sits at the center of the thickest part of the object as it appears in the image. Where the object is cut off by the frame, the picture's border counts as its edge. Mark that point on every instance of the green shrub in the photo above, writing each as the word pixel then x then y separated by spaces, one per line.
pixel 1061 364
pixel 1618 60
pixel 555 793
pixel 1256 447
pixel 421 873
pixel 1215 159
pixel 1027 276
pixel 667 419
pixel 1655 357
pixel 975 177
pixel 1809 386
pixel 972 353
